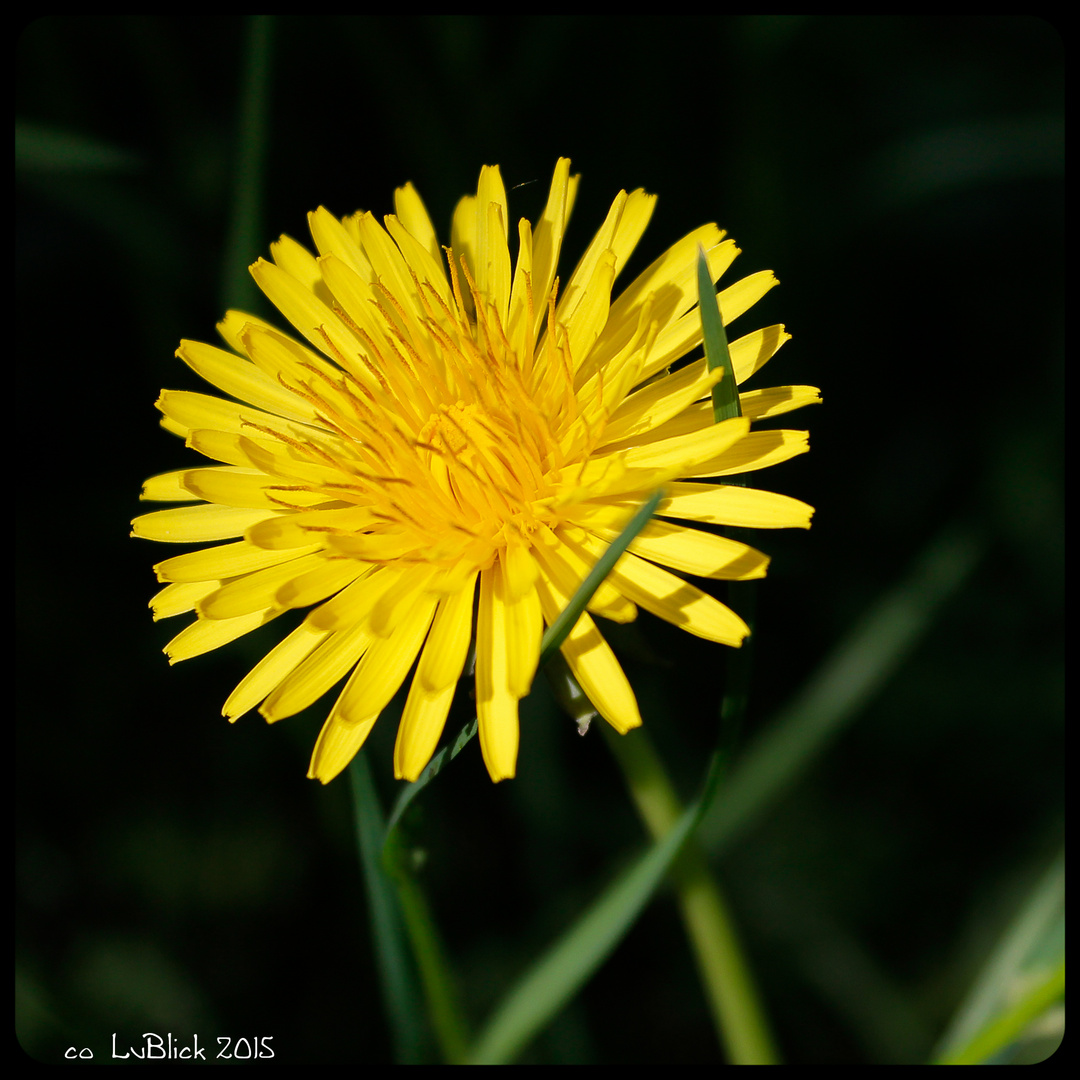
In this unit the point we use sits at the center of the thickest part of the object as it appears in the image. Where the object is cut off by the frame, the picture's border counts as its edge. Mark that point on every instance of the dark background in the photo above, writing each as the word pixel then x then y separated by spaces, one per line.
pixel 902 176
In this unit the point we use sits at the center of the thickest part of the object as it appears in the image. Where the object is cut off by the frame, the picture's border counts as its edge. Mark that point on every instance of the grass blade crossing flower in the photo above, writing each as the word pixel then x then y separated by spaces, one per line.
pixel 449 430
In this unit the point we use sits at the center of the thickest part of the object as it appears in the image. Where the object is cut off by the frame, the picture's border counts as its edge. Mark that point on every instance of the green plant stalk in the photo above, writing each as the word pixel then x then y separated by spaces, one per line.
pixel 244 238
pixel 440 990
pixel 563 969
pixel 396 974
pixel 1007 1027
pixel 737 1013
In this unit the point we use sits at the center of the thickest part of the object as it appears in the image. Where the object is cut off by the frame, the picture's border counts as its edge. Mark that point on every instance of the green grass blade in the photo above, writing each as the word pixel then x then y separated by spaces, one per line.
pixel 245 238
pixel 440 992
pixel 562 970
pixel 1009 1025
pixel 558 975
pixel 1023 978
pixel 725 394
pixel 54 151
pixel 556 633
pixel 433 768
pixel 404 1005
pixel 845 682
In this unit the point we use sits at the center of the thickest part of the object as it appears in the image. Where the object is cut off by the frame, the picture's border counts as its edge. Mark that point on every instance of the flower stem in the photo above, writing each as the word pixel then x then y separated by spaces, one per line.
pixel 736 1009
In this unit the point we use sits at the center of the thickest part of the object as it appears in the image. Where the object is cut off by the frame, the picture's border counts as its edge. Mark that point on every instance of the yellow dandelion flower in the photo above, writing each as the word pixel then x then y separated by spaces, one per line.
pixel 457 433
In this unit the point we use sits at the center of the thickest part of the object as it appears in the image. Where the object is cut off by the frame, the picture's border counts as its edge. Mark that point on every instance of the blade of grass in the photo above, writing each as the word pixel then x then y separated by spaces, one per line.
pixel 725 394
pixel 41 149
pixel 404 1005
pixel 554 979
pixel 727 979
pixel 440 992
pixel 845 682
pixel 1005 1028
pixel 245 239
pixel 1023 977
pixel 449 1025
pixel 556 633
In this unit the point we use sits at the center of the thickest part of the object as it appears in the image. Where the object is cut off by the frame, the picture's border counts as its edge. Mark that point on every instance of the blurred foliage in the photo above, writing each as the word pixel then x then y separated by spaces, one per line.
pixel 903 176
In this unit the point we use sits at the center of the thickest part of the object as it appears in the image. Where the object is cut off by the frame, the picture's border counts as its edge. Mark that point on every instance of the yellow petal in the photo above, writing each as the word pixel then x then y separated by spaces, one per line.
pixel 196 524
pixel 384 666
pixel 332 238
pixel 548 237
pixel 224 561
pixel 411 212
pixel 423 260
pixel 232 325
pixel 328 663
pixel 758 450
pixel 448 643
pixel 242 379
pixel 491 267
pixel 524 629
pixel 180 598
pixel 496 704
pixel 232 486
pixel 204 635
pixel 422 723
pixel 523 301
pixel 296 261
pixel 269 672
pixel 671 283
pixel 589 312
pixel 759 404
pixel 659 401
pixel 593 663
pixel 256 591
pixel 353 604
pixel 338 743
pixel 299 530
pixel 750 353
pixel 684 453
pixel 689 550
pixel 566 571
pixel 673 599
pixel 743 295
pixel 576 288
pixel 167 487
pixel 727 504
pixel 391 271
pixel 313 318
pixel 325 578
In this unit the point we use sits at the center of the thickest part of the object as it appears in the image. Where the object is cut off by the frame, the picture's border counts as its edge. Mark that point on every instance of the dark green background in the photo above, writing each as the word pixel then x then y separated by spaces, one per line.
pixel 902 176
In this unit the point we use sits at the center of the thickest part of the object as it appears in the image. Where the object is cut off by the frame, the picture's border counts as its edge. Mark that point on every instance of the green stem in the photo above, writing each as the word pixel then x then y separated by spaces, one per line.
pixel 244 239
pixel 440 991
pixel 737 1013
pixel 396 975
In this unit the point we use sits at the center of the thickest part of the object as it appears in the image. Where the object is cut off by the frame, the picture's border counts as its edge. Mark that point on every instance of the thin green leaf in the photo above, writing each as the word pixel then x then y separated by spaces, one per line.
pixel 845 682
pixel 563 969
pixel 433 768
pixel 556 633
pixel 1023 978
pixel 440 991
pixel 245 237
pixel 725 394
pixel 47 150
pixel 404 1004
pixel 1010 1024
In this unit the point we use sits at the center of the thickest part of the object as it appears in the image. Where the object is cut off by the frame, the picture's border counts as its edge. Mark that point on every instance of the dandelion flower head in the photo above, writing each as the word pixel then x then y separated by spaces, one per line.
pixel 443 448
